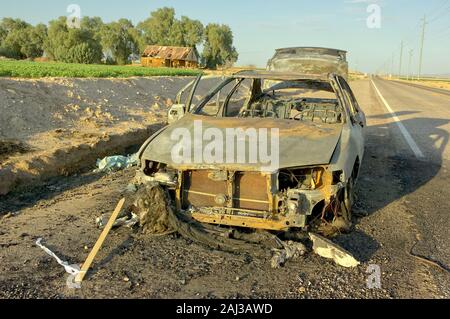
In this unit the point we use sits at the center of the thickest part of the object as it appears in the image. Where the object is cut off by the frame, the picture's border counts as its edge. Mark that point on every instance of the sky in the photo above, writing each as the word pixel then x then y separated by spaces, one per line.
pixel 259 27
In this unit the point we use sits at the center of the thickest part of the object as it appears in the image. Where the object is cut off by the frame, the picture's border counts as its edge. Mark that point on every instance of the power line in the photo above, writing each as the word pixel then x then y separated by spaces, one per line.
pixel 441 31
pixel 442 35
pixel 438 9
pixel 440 14
pixel 435 14
pixel 438 35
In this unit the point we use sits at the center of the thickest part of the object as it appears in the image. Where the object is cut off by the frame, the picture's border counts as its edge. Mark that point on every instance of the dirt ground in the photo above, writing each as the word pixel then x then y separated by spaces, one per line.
pixel 132 265
pixel 434 84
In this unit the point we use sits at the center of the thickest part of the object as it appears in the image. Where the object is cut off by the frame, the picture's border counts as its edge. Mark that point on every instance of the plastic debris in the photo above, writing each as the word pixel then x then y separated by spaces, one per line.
pixel 327 249
pixel 116 163
pixel 126 221
pixel 291 250
pixel 70 269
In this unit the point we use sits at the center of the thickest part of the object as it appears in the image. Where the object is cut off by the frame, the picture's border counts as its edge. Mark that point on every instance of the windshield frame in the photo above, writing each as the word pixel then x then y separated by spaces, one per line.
pixel 202 103
pixel 319 84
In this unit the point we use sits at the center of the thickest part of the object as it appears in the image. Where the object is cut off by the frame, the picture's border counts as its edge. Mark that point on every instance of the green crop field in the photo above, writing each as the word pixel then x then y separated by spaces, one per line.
pixel 28 69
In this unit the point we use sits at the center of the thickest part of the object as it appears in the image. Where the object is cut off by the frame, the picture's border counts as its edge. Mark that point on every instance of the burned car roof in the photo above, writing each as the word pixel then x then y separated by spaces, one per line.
pixel 280 76
pixel 310 60
pixel 314 50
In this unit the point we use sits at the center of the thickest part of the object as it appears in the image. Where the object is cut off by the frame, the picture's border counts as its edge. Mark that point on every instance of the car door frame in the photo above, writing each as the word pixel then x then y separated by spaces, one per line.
pixel 356 118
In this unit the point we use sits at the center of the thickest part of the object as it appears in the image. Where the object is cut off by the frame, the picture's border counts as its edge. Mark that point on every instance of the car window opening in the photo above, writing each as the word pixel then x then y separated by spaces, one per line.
pixel 297 101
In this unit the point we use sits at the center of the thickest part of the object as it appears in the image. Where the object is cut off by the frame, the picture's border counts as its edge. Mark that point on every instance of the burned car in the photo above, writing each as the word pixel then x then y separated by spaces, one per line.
pixel 317 143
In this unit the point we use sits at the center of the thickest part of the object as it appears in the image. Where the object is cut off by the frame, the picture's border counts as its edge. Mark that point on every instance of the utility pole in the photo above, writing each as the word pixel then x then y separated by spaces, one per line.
pixel 411 52
pixel 392 65
pixel 424 20
pixel 401 58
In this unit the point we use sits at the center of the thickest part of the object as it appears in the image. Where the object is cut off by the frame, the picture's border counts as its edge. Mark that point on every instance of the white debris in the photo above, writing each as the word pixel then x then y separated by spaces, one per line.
pixel 70 269
pixel 327 249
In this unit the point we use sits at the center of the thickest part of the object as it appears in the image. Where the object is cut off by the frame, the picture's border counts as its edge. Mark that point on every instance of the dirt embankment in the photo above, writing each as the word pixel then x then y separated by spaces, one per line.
pixel 51 127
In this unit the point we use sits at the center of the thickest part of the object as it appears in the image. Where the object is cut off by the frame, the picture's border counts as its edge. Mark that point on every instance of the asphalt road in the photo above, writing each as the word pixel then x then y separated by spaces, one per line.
pixel 401 226
pixel 419 123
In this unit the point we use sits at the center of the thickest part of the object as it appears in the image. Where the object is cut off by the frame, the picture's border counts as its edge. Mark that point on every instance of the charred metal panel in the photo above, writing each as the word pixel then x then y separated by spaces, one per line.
pixel 251 191
pixel 202 191
pixel 204 188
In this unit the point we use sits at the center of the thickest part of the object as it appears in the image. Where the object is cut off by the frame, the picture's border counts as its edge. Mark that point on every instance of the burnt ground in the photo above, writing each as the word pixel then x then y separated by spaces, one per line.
pixel 400 204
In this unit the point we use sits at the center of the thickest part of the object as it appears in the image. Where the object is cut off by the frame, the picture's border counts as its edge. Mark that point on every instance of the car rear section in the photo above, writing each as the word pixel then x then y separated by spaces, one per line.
pixel 310 60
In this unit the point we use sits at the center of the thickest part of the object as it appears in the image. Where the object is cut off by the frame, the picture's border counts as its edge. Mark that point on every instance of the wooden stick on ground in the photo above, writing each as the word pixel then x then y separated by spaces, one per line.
pixel 87 264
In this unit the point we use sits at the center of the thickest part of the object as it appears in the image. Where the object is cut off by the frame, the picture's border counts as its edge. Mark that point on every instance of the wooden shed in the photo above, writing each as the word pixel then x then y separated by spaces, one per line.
pixel 172 57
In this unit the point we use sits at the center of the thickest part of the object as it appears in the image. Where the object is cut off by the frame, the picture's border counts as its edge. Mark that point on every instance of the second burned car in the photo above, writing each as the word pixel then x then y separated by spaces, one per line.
pixel 320 147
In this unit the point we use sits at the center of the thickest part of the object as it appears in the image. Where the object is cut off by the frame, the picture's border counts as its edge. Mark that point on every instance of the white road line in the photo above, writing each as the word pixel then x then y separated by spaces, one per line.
pixel 412 144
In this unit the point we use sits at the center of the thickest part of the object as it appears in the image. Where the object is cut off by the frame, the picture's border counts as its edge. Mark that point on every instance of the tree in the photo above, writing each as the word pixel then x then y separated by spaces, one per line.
pixel 175 36
pixel 119 39
pixel 12 45
pixel 157 28
pixel 218 47
pixel 94 25
pixel 13 37
pixel 65 44
pixel 138 38
pixel 3 34
pixel 26 42
pixel 162 28
pixel 57 32
pixel 32 41
pixel 192 31
pixel 10 24
pixel 82 53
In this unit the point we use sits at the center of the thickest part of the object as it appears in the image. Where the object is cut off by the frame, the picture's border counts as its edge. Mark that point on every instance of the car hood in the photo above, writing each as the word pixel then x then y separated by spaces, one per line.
pixel 300 143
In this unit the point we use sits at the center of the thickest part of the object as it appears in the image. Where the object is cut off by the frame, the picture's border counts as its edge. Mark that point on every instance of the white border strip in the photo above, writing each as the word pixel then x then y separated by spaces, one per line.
pixel 412 144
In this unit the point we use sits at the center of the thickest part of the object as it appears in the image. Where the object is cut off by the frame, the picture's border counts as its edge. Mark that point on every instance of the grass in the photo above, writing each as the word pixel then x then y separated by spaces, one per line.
pixel 28 69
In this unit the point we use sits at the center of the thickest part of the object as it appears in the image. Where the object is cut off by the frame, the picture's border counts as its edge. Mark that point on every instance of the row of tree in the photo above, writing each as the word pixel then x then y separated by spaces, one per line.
pixel 95 41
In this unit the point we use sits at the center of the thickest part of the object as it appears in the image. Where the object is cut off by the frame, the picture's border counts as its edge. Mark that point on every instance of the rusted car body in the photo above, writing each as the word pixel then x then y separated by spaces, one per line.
pixel 321 147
